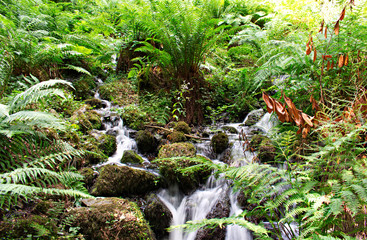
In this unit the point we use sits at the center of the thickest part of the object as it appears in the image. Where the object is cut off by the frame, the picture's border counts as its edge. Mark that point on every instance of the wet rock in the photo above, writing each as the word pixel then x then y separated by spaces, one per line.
pixel 116 181
pixel 87 120
pixel 170 170
pixel 94 103
pixel 107 144
pixel 177 150
pixel 146 142
pixel 131 157
pixel 89 176
pixel 182 127
pixel 219 142
pixel 227 157
pixel 230 129
pixel 112 132
pixel 254 116
pixel 110 218
pixel 265 148
pixel 176 136
pixel 221 209
pixel 158 216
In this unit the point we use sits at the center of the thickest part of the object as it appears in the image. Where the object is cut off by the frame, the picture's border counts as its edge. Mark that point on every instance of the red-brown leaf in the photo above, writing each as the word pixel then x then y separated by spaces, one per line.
pixel 341 61
pixel 322 25
pixel 336 28
pixel 269 102
pixel 346 60
pixel 342 15
pixel 328 65
pixel 308 51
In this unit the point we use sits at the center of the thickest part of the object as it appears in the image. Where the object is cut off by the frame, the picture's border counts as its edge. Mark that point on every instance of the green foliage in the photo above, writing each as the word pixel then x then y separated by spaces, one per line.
pixel 31 164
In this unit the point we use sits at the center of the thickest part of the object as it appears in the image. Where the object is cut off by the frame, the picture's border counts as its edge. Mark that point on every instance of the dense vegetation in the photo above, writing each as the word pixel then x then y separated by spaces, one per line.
pixel 198 61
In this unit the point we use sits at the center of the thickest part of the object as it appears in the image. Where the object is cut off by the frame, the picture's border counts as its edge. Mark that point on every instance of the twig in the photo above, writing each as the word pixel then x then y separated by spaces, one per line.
pixel 169 130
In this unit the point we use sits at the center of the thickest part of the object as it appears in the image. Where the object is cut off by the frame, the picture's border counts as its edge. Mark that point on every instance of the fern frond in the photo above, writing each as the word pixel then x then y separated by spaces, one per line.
pixel 37 92
pixel 215 222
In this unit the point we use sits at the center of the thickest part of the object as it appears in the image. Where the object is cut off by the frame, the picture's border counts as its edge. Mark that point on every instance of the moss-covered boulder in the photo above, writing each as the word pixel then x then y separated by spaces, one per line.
pixel 89 177
pixel 265 148
pixel 146 141
pixel 94 118
pixel 177 150
pixel 94 103
pixel 170 169
pixel 94 154
pixel 28 226
pixel 86 120
pixel 83 87
pixel 219 142
pixel 107 144
pixel 116 181
pixel 182 127
pixel 131 157
pixel 158 216
pixel 176 136
pixel 111 218
pixel 134 117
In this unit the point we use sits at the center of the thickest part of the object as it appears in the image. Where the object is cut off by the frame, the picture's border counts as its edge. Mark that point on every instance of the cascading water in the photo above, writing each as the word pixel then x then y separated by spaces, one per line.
pixel 197 205
pixel 114 126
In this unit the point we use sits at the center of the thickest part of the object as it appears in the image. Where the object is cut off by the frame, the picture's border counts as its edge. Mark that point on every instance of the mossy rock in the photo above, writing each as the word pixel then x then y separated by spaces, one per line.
pixel 28 227
pixel 219 142
pixel 221 209
pixel 107 144
pixel 116 181
pixel 265 148
pixel 94 103
pixel 134 117
pixel 176 136
pixel 182 127
pixel 83 87
pixel 111 218
pixel 94 154
pixel 89 177
pixel 95 119
pixel 177 150
pixel 158 216
pixel 87 120
pixel 230 129
pixel 120 92
pixel 146 142
pixel 170 168
pixel 131 157
pixel 253 117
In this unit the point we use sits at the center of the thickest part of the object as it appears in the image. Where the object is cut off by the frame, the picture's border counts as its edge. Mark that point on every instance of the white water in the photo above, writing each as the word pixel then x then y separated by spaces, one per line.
pixel 115 125
pixel 196 206
pixel 192 208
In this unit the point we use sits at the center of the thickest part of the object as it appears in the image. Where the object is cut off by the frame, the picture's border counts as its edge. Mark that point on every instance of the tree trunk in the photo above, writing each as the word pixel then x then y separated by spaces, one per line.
pixel 194 111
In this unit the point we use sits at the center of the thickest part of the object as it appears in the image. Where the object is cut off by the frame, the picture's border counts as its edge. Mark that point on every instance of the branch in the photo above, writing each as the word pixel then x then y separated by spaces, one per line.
pixel 169 130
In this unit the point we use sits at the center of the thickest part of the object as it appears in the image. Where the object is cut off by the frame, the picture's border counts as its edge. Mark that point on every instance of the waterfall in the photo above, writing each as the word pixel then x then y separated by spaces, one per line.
pixel 196 206
pixel 114 125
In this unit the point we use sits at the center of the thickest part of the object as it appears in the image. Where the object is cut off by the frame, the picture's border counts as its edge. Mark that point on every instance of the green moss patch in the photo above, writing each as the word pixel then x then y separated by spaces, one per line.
pixel 111 218
pixel 124 181
pixel 177 150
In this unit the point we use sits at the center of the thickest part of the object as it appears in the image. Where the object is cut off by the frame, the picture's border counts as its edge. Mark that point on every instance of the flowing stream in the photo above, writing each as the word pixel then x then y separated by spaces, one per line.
pixel 197 205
